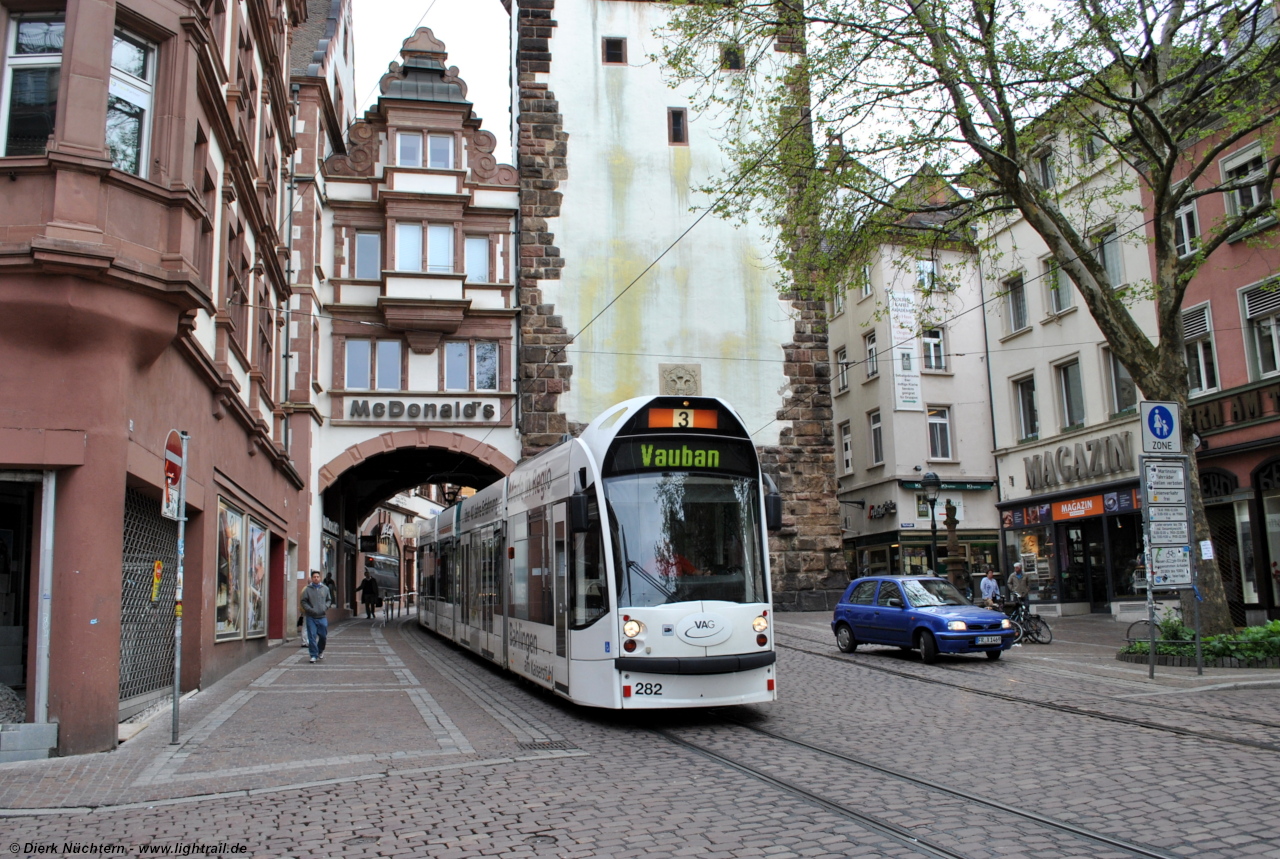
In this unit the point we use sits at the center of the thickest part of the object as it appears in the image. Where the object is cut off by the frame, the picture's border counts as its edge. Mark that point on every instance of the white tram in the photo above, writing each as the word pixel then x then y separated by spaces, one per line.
pixel 626 568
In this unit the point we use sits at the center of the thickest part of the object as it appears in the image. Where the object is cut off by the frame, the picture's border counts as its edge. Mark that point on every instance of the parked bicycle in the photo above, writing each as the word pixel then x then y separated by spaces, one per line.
pixel 1028 626
pixel 1140 630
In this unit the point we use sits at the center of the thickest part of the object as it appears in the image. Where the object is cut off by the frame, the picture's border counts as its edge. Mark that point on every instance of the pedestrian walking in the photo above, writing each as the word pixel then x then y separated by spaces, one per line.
pixel 315 605
pixel 369 594
pixel 990 588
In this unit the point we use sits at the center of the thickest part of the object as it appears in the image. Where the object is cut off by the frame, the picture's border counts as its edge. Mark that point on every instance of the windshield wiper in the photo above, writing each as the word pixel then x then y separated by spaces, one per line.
pixel 658 585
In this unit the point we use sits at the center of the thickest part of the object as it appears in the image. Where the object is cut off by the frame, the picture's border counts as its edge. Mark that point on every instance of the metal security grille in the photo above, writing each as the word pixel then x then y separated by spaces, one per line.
pixel 146 627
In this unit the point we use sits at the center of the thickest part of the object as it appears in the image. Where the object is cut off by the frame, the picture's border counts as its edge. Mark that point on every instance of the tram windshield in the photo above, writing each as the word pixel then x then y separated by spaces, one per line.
pixel 680 537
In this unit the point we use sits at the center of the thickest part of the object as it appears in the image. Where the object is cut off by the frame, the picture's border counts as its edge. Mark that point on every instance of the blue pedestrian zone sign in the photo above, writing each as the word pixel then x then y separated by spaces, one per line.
pixel 1161 433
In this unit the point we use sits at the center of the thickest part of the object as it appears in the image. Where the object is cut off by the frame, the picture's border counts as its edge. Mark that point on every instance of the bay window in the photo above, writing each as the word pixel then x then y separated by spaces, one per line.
pixel 129 103
pixel 33 69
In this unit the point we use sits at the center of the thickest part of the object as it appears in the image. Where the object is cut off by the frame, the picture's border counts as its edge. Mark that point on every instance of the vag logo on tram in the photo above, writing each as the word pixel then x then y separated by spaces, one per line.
pixel 682 457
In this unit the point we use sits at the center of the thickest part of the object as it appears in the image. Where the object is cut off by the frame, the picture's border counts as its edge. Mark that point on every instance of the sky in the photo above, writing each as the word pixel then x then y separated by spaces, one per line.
pixel 473 31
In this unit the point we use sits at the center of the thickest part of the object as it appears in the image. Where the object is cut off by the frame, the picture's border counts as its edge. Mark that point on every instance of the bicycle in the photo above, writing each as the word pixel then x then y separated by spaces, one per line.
pixel 1140 630
pixel 1029 626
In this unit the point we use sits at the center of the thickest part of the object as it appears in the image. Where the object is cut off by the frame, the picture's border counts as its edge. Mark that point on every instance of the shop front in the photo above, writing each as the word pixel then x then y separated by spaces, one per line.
pixel 1081 552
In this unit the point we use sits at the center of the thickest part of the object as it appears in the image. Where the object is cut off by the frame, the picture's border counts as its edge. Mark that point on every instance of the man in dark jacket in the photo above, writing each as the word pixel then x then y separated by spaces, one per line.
pixel 369 594
pixel 315 605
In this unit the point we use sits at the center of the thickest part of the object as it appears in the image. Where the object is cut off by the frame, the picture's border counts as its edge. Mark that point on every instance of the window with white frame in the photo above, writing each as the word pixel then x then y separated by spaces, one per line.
pixel 369 256
pixel 1016 298
pixel 1262 309
pixel 873 357
pixel 129 102
pixel 1245 170
pixel 931 344
pixel 1071 394
pixel 842 369
pixel 440 151
pixel 373 365
pixel 470 366
pixel 409 148
pixel 476 249
pixel 1197 338
pixel 1106 247
pixel 837 301
pixel 1124 393
pixel 846 448
pixel 926 274
pixel 1028 417
pixel 1091 146
pixel 1186 229
pixel 939 432
pixel 440 248
pixel 1044 168
pixel 866 289
pixel 409 247
pixel 875 438
pixel 33 68
pixel 1057 286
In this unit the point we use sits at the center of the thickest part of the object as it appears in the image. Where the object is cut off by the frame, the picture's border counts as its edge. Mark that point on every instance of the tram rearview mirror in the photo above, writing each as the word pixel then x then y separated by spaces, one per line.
pixel 773 511
pixel 578 515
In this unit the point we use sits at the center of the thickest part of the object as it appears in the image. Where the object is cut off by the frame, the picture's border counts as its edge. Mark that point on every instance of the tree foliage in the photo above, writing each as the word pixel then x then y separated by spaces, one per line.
pixel 1059 115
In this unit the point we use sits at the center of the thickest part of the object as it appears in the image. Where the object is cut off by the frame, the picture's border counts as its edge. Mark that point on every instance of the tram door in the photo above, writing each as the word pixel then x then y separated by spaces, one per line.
pixel 560 559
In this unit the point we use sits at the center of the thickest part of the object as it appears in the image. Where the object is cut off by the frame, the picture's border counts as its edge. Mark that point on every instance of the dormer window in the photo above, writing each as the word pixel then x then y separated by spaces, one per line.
pixel 409 149
pixel 440 152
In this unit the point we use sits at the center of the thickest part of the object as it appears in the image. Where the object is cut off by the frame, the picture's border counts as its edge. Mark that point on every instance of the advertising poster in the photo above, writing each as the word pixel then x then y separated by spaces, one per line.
pixel 228 613
pixel 256 594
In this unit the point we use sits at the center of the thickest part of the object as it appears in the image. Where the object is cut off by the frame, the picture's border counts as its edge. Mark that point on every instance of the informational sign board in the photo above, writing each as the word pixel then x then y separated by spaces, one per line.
pixel 1166 519
pixel 1161 428
pixel 174 463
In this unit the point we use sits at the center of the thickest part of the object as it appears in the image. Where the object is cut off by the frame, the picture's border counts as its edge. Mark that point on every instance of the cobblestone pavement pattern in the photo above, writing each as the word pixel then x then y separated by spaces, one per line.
pixel 398 744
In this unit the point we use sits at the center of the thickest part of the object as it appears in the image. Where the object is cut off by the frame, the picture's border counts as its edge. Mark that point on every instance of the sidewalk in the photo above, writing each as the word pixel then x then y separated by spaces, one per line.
pixel 378 703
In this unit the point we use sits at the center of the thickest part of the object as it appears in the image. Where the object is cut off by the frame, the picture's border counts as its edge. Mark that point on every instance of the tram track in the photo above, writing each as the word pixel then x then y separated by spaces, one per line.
pixel 886 828
pixel 1047 705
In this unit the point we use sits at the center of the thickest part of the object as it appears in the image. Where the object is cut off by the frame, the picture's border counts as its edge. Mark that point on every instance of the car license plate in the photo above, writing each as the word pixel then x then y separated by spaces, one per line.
pixel 988 639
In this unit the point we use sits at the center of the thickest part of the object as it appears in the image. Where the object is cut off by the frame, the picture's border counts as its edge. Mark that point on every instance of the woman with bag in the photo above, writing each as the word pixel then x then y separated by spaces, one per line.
pixel 369 594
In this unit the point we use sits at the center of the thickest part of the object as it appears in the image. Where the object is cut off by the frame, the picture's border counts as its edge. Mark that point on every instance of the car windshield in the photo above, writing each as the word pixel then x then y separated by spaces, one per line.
pixel 928 592
pixel 679 537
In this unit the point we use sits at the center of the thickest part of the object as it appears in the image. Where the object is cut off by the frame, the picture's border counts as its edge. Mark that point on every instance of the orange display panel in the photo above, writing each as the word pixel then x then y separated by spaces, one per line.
pixel 683 419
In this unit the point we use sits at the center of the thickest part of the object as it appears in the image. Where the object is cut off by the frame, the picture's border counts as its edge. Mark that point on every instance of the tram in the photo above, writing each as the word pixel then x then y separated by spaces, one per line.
pixel 625 569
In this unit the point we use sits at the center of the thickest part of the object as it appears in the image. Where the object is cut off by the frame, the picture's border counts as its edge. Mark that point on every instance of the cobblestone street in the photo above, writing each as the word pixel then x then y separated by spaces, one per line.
pixel 397 744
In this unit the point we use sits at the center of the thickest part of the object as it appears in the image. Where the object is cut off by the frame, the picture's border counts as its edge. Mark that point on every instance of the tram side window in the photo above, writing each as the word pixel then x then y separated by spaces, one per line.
pixel 590 591
pixel 541 581
pixel 444 578
pixel 518 604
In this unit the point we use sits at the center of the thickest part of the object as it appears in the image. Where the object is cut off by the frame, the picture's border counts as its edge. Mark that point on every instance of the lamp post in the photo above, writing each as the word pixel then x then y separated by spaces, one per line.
pixel 932 485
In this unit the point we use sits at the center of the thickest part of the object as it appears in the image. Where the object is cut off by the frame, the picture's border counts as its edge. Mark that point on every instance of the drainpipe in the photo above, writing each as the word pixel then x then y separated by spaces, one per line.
pixel 48 509
pixel 288 268
pixel 991 398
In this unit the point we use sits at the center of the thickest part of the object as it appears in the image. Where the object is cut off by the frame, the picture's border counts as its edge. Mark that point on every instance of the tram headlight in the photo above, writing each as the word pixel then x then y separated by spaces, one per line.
pixel 760 624
pixel 956 625
pixel 632 628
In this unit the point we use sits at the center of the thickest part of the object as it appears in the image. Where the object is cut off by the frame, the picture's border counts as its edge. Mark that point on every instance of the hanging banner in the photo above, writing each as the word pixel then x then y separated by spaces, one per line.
pixel 906 370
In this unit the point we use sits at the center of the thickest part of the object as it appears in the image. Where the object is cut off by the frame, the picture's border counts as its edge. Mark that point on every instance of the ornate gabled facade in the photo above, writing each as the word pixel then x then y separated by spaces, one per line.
pixel 413 308
pixel 141 290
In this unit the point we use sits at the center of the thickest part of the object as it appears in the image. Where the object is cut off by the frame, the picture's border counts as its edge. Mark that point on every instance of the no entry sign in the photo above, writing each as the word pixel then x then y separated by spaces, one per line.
pixel 173 465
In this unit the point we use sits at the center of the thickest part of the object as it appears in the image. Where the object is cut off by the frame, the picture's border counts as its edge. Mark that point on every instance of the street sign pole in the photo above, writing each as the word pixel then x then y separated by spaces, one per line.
pixel 177 597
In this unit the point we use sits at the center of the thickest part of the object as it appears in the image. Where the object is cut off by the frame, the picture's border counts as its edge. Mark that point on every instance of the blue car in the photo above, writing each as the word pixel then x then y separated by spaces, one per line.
pixel 918 613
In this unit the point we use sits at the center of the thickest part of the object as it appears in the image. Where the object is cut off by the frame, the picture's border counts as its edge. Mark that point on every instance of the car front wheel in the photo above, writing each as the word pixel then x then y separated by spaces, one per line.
pixel 993 655
pixel 928 648
pixel 845 640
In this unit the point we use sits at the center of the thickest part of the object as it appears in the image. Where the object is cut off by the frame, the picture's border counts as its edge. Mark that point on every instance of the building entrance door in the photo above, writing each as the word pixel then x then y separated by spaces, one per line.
pixel 1085 577
pixel 16 512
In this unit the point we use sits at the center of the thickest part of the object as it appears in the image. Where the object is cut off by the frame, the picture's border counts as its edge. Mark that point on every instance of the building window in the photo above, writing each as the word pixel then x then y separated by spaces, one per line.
pixel 368 256
pixel 935 356
pixel 34 65
pixel 440 151
pixel 926 274
pixel 386 376
pixel 1197 336
pixel 129 103
pixel 876 439
pixel 373 365
pixel 1058 285
pixel 408 247
pixel 873 357
pixel 1044 169
pixel 677 126
pixel 842 369
pixel 1016 296
pixel 939 432
pixel 613 51
pixel 1072 395
pixel 731 58
pixel 409 149
pixel 1239 169
pixel 1091 146
pixel 458 366
pixel 1186 229
pixel 1106 247
pixel 837 301
pixel 846 448
pixel 440 249
pixel 1124 393
pixel 865 289
pixel 477 259
pixel 1028 417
